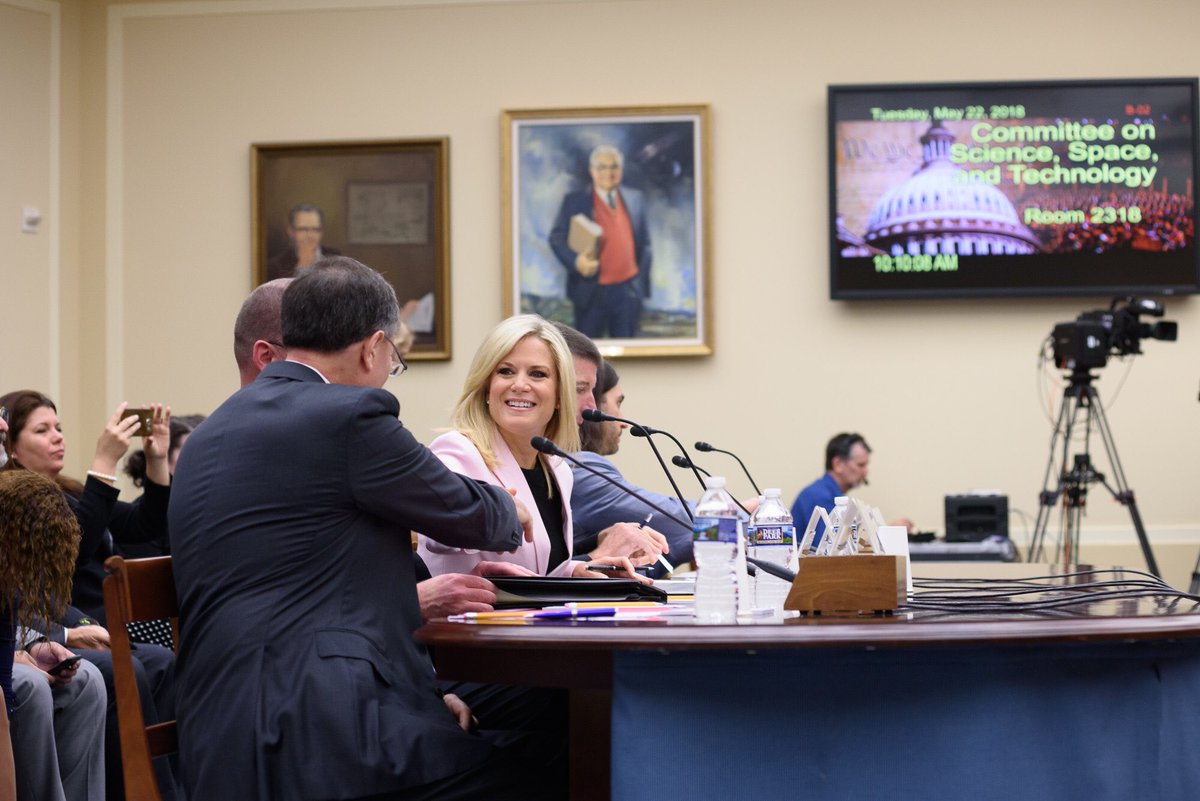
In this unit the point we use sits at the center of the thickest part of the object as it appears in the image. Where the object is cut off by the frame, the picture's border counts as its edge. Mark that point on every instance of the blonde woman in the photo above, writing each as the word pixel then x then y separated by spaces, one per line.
pixel 521 385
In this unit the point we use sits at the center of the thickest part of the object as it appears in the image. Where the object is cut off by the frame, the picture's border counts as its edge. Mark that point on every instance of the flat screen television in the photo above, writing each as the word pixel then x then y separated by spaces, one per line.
pixel 1021 189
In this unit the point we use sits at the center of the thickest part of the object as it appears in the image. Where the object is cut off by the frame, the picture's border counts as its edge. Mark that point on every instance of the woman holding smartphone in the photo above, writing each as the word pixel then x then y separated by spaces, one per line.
pixel 36 443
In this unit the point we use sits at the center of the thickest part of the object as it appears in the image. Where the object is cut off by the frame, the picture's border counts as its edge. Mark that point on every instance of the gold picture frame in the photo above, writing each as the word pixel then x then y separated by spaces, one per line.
pixel 385 203
pixel 650 293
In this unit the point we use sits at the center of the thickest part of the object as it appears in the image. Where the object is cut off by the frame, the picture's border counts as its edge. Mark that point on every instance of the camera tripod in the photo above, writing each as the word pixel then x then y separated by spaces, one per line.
pixel 1072 484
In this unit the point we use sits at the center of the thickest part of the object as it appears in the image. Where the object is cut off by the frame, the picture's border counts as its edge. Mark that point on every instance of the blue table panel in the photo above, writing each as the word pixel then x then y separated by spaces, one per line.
pixel 1053 722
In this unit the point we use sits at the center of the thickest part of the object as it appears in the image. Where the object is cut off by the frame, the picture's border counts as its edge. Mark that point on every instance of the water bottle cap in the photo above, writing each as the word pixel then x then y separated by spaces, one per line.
pixel 772 492
pixel 841 500
pixel 714 482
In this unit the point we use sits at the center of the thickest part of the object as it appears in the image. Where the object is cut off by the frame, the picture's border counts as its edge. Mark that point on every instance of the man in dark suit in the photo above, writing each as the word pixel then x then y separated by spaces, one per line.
pixel 298 677
pixel 607 286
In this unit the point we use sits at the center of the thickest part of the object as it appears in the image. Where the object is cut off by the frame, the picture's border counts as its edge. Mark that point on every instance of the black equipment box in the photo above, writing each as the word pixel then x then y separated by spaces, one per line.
pixel 974 518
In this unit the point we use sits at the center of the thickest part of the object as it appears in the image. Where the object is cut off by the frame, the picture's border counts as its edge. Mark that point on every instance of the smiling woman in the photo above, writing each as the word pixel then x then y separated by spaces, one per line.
pixel 521 385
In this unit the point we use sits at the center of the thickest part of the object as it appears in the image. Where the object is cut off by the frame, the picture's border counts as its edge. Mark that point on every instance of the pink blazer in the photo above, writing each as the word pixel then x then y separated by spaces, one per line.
pixel 460 455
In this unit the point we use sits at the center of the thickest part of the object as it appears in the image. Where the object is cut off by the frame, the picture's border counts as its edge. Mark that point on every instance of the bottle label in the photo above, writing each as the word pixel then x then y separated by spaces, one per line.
pixel 775 534
pixel 715 529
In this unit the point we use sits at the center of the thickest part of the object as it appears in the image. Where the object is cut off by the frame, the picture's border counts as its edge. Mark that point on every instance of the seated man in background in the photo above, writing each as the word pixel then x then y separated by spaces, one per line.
pixel 847 458
pixel 626 535
pixel 290 517
pixel 597 504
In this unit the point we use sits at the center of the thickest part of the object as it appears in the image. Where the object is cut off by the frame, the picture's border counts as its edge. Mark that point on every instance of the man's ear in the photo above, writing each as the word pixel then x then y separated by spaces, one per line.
pixel 369 349
pixel 262 354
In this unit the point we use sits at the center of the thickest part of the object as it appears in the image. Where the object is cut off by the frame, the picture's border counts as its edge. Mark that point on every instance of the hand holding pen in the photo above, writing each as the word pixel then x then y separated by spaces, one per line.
pixel 615 566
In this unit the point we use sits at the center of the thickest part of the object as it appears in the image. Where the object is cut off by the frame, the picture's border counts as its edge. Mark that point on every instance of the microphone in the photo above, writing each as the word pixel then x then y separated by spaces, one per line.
pixel 683 461
pixel 686 463
pixel 770 567
pixel 597 416
pixel 544 445
pixel 704 447
pixel 645 431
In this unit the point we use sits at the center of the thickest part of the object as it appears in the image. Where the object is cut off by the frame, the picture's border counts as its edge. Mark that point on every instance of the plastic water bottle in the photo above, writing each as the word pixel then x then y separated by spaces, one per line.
pixel 833 532
pixel 772 538
pixel 714 544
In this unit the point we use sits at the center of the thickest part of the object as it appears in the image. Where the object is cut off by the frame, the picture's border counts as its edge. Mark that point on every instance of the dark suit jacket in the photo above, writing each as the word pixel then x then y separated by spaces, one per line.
pixel 298 677
pixel 580 289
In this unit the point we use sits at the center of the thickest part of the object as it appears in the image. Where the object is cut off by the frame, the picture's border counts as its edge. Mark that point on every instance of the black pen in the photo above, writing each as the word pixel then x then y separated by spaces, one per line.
pixel 606 568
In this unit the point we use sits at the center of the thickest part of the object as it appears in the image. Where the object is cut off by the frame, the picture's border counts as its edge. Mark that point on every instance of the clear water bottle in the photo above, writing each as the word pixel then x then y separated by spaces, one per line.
pixel 833 532
pixel 714 543
pixel 771 538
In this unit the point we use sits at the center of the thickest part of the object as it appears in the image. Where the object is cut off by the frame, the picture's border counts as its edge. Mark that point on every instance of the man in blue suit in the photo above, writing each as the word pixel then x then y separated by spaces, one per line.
pixel 298 676
pixel 607 284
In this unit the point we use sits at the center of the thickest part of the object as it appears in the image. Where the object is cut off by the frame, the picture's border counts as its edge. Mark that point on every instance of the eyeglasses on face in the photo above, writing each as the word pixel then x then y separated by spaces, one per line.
pixel 399 366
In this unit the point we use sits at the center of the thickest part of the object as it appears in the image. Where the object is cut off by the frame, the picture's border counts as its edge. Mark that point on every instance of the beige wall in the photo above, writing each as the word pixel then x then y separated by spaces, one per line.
pixel 168 97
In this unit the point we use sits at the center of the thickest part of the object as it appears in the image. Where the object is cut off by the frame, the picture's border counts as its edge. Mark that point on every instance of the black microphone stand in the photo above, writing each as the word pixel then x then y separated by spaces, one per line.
pixel 683 461
pixel 597 416
pixel 543 445
pixel 646 431
pixel 687 464
pixel 704 447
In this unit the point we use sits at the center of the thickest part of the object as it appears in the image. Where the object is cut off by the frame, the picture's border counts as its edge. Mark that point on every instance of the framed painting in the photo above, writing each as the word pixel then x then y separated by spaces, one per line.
pixel 384 203
pixel 606 220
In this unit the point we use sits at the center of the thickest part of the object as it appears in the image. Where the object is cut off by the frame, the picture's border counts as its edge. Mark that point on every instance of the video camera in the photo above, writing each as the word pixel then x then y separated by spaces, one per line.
pixel 1089 340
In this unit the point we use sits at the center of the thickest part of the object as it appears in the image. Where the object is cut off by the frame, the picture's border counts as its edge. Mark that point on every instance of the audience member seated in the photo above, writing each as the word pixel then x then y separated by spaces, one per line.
pixel 57 719
pixel 35 442
pixel 520 385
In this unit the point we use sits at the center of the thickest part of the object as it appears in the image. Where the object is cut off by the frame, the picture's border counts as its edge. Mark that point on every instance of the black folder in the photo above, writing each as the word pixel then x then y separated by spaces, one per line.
pixel 520 591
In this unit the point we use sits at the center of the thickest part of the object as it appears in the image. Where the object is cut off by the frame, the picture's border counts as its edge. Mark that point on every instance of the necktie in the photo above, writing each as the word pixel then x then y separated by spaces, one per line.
pixel 612 200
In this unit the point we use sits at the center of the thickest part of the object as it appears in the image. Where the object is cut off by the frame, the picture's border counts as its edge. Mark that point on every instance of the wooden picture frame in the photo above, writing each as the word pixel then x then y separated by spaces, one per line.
pixel 650 293
pixel 384 203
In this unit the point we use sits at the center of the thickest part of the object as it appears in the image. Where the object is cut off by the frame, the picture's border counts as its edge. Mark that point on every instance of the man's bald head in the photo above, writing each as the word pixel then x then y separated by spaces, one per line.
pixel 258 333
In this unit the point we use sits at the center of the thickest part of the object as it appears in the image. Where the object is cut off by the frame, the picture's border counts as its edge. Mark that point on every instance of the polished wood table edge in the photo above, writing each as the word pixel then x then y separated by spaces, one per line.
pixel 815 632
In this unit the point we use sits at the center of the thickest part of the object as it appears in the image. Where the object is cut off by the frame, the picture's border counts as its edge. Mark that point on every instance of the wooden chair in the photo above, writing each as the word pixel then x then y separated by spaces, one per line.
pixel 138 589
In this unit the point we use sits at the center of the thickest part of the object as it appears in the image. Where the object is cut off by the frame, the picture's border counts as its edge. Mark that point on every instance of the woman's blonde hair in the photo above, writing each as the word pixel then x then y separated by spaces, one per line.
pixel 39 538
pixel 471 416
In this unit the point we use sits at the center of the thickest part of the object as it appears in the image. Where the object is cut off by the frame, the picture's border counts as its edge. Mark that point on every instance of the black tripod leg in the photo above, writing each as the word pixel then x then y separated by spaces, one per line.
pixel 1123 494
pixel 1127 499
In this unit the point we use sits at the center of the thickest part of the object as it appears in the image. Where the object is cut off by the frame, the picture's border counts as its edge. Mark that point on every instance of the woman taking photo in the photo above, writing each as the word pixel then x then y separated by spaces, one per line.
pixel 36 443
pixel 521 385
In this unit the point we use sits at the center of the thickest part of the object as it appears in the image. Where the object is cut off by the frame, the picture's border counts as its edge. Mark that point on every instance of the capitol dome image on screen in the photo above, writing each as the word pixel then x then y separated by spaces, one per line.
pixel 941 210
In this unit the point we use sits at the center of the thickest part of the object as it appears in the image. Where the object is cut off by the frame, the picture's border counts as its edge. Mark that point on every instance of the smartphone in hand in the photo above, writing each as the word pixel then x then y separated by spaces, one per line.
pixel 145 418
pixel 64 665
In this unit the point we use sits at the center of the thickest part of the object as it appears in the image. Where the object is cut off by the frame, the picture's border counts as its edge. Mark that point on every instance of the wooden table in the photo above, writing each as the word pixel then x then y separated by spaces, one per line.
pixel 588 658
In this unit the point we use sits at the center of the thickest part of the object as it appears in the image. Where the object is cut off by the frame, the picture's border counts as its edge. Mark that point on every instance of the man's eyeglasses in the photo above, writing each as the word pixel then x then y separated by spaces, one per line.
pixel 399 366
pixel 4 417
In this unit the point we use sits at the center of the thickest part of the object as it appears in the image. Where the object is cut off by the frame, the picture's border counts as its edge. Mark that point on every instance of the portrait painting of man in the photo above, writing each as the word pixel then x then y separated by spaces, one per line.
pixel 606 225
pixel 383 203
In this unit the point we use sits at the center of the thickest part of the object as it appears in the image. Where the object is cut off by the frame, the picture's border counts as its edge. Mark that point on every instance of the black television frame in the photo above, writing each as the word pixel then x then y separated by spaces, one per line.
pixel 1003 93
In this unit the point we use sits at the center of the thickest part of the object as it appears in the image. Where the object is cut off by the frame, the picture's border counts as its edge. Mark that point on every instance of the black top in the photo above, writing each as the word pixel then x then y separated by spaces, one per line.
pixel 550 508
pixel 104 520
